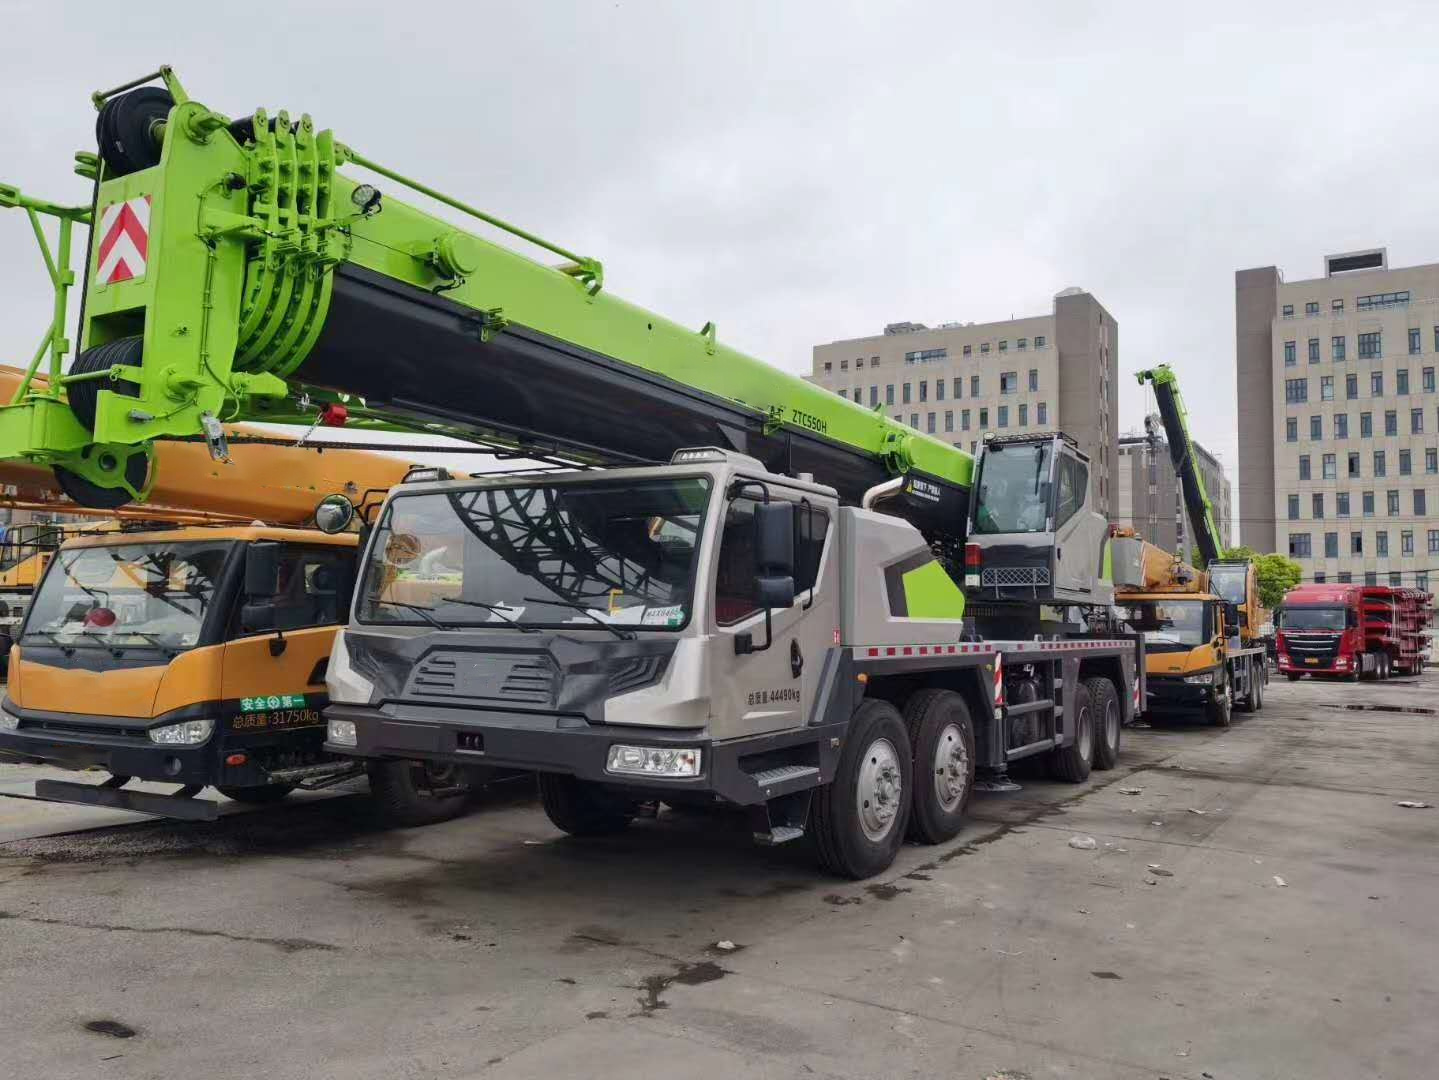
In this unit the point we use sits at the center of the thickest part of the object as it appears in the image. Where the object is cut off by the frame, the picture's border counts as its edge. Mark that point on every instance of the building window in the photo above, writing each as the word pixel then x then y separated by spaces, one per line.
pixel 1354 463
pixel 1431 460
pixel 964 420
pixel 1314 350
pixel 1419 502
pixel 1392 498
pixel 1401 381
pixel 938 389
pixel 1336 306
pixel 984 349
pixel 1376 384
pixel 1003 418
pixel 948 419
pixel 1299 545
pixel 1356 543
pixel 1316 428
pixel 1288 311
pixel 1345 577
pixel 844 365
pixel 923 389
pixel 1331 470
pixel 1415 347
pixel 1405 463
pixel 1406 542
pixel 929 424
pixel 889 394
pixel 1370 346
pixel 974 386
pixel 1294 508
pixel 1391 422
pixel 1296 390
pixel 1326 388
pixel 1341 504
pixel 1316 506
pixel 1033 379
pixel 1421 579
pixel 1022 344
pixel 1041 413
pixel 968 349
pixel 858 394
pixel 1382 300
pixel 1023 414
pixel 1039 340
pixel 1009 382
pixel 1289 356
pixel 906 394
pixel 1396 579
pixel 1428 380
pixel 914 420
pixel 1004 346
pixel 873 396
pixel 926 356
pixel 1304 467
pixel 1336 347
pixel 1434 541
pixel 828 366
pixel 1351 387
pixel 1367 499
pixel 1311 307
pixel 1366 425
pixel 1291 429
pixel 1341 425
pixel 1331 545
pixel 874 361
pixel 1416 421
pixel 1379 463
pixel 983 418
pixel 1381 543
pixel 1371 578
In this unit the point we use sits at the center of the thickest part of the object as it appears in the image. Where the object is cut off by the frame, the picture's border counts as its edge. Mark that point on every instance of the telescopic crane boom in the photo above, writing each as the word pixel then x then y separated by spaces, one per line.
pixel 1186 467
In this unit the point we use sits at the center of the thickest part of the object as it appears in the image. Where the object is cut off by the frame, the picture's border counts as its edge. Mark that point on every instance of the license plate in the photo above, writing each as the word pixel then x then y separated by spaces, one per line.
pixel 1311 660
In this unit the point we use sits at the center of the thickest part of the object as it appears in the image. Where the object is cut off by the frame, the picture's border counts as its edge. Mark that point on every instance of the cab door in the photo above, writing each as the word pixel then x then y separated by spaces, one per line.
pixel 1075 561
pixel 273 680
pixel 773 688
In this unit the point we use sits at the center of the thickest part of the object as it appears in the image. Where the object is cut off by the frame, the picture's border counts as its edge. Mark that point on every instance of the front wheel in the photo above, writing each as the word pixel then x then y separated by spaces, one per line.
pixel 582 807
pixel 418 793
pixel 941 734
pixel 1294 676
pixel 1220 710
pixel 858 819
pixel 257 794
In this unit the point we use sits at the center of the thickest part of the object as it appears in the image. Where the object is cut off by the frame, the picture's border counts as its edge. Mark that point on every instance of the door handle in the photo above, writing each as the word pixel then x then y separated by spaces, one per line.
pixel 796 659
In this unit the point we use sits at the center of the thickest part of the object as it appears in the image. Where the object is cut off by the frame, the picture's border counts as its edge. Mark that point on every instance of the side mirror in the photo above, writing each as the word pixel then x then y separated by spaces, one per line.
pixel 258 617
pixel 774 554
pixel 262 568
pixel 333 514
pixel 1231 616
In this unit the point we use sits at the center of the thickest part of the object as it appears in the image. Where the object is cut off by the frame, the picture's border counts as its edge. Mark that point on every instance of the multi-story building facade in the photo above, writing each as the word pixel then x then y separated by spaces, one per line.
pixel 1339 418
pixel 958 381
pixel 1149 500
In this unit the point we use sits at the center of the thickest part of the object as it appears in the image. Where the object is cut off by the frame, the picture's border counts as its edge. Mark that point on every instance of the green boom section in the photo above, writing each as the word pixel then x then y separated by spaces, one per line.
pixel 222 257
pixel 1181 451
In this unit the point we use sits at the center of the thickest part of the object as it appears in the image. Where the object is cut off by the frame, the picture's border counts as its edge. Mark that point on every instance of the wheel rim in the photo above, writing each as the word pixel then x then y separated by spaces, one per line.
pixel 1084 733
pixel 879 790
pixel 430 777
pixel 1111 725
pixel 951 768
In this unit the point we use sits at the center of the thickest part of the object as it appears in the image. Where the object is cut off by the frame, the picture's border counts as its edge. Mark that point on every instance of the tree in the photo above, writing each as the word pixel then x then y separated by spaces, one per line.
pixel 1275 574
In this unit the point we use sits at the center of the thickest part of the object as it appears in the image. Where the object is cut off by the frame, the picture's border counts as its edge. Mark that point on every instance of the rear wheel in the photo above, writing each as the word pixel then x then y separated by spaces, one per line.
pixel 1072 763
pixel 583 808
pixel 858 819
pixel 1104 700
pixel 257 794
pixel 418 793
pixel 941 735
pixel 1254 696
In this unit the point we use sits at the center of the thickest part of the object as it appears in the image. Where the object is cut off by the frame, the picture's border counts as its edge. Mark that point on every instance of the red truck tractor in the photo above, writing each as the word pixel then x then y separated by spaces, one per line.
pixel 1353 631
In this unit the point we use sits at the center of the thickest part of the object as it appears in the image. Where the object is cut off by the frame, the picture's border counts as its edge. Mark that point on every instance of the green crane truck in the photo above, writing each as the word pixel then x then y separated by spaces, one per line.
pixel 742 588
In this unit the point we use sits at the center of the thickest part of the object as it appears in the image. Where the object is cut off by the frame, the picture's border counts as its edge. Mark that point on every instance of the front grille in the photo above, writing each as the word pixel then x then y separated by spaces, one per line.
pixel 529 681
pixel 1321 647
pixel 1026 576
pixel 524 679
pixel 69 727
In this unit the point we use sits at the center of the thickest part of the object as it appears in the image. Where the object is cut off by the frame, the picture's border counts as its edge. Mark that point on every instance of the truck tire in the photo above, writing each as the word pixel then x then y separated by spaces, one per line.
pixel 258 794
pixel 1254 696
pixel 941 735
pixel 1219 710
pixel 1295 676
pixel 410 793
pixel 1072 762
pixel 582 807
pixel 858 819
pixel 1104 700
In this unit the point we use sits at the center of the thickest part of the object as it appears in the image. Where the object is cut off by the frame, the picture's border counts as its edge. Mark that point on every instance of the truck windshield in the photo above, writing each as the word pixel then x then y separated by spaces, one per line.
pixel 1312 618
pixel 1013 495
pixel 151 595
pixel 566 554
pixel 1230 581
pixel 1176 625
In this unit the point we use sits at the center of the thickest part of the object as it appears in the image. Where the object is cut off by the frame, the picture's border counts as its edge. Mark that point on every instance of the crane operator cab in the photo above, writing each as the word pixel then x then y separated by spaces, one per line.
pixel 1034 536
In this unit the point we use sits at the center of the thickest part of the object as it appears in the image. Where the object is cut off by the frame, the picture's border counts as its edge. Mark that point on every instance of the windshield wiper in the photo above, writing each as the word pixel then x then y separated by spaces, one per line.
pixel 498 609
pixel 154 639
pixel 69 650
pixel 623 635
pixel 419 609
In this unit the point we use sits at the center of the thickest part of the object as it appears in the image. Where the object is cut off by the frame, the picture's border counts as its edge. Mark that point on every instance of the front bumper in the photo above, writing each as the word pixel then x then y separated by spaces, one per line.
pixel 746 771
pixel 1174 693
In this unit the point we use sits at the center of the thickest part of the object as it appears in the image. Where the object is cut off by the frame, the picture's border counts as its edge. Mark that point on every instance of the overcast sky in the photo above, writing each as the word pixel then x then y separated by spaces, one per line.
pixel 805 172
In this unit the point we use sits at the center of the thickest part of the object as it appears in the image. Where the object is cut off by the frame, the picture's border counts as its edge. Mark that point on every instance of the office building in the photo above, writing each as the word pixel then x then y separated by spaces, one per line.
pixel 956 381
pixel 1149 500
pixel 1339 418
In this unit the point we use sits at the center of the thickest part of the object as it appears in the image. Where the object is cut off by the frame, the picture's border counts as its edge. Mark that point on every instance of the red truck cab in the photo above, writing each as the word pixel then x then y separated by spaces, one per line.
pixel 1352 631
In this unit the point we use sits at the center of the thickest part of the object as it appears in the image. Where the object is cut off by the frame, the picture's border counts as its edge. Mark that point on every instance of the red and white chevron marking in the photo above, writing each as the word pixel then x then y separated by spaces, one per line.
pixel 124 241
pixel 999 680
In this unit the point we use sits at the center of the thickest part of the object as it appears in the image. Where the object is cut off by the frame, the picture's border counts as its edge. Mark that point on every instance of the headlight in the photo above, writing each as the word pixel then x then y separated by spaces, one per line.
pixel 186 733
pixel 653 761
pixel 342 733
pixel 8 722
pixel 1200 680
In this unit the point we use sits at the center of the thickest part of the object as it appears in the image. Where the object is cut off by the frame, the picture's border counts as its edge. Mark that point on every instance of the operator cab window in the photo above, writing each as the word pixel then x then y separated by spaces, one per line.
pixel 1073 477
pixel 735 576
pixel 308 591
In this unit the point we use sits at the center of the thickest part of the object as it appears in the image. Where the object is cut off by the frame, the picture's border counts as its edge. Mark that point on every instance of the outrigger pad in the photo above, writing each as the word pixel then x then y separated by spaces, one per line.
pixel 185 807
